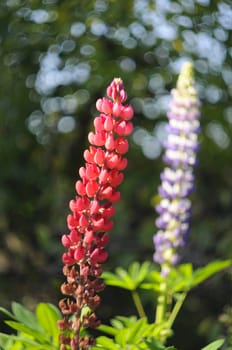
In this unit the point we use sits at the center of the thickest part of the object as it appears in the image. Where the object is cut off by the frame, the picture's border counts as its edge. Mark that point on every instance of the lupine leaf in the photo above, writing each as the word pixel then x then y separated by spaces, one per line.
pixel 153 281
pixel 106 343
pixel 48 315
pixel 130 279
pixel 26 343
pixel 122 336
pixel 137 331
pixel 155 345
pixel 215 345
pixel 33 333
pixel 129 283
pixel 27 330
pixel 16 346
pixel 5 341
pixel 183 278
pixel 131 334
pixel 25 316
pixel 138 272
pixel 120 322
pixel 113 280
pixel 107 329
pixel 180 278
pixel 8 313
pixel 209 270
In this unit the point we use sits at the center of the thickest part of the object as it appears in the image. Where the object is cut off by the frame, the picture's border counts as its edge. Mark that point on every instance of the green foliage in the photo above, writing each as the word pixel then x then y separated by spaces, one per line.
pixel 183 277
pixel 170 293
pixel 37 167
pixel 130 334
pixel 129 279
pixel 215 345
pixel 33 331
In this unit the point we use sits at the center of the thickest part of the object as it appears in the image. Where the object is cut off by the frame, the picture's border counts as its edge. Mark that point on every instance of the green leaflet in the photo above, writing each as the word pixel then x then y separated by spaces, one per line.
pixel 130 279
pixel 130 333
pixel 34 331
pixel 48 315
pixel 183 278
pixel 215 345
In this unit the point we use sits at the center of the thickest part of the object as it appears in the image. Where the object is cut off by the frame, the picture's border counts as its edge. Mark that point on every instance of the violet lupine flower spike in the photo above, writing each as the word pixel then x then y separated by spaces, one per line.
pixel 90 221
pixel 177 178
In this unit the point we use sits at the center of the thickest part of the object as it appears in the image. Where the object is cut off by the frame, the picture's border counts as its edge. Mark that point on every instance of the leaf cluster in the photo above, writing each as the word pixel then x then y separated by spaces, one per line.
pixel 130 334
pixel 34 331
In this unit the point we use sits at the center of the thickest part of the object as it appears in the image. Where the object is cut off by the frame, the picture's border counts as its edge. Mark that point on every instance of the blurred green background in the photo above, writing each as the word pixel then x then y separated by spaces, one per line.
pixel 56 59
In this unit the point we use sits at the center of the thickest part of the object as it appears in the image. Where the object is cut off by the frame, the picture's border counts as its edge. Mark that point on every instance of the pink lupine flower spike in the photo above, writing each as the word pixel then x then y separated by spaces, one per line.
pixel 91 218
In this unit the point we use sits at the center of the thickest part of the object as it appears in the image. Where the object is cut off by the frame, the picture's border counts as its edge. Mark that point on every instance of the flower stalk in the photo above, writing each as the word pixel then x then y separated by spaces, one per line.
pixel 177 179
pixel 91 218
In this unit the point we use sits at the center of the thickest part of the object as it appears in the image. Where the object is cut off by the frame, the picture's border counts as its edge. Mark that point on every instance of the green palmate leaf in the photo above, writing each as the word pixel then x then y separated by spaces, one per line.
pixel 48 315
pixel 107 329
pixel 138 272
pixel 8 313
pixel 126 278
pixel 152 281
pixel 138 331
pixel 5 342
pixel 113 280
pixel 153 344
pixel 25 316
pixel 130 333
pixel 16 346
pixel 35 332
pixel 183 277
pixel 122 337
pixel 180 278
pixel 28 331
pixel 22 342
pixel 106 343
pixel 209 270
pixel 130 279
pixel 215 345
pixel 121 322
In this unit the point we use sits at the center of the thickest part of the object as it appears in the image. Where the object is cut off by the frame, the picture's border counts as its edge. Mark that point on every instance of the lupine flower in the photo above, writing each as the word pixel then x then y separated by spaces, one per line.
pixel 177 179
pixel 91 218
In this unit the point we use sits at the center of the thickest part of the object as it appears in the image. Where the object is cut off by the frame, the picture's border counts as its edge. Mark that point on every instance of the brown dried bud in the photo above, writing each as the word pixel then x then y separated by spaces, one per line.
pixel 62 324
pixel 74 274
pixel 64 340
pixel 86 342
pixel 68 289
pixel 98 285
pixel 91 321
pixel 94 302
pixel 64 306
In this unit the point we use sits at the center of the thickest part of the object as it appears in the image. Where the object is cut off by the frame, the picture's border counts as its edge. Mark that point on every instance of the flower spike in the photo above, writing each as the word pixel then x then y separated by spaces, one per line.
pixel 177 178
pixel 91 218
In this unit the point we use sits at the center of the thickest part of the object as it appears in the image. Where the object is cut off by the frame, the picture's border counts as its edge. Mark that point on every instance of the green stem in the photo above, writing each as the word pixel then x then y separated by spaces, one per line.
pixel 138 303
pixel 161 304
pixel 176 309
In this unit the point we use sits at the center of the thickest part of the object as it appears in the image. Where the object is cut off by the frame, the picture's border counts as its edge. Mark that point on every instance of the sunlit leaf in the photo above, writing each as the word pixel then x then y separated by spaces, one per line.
pixel 214 345
pixel 48 315
pixel 25 316
pixel 27 330
pixel 130 279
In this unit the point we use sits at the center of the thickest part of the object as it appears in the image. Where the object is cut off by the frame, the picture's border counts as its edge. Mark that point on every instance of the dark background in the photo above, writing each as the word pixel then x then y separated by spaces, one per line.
pixel 56 59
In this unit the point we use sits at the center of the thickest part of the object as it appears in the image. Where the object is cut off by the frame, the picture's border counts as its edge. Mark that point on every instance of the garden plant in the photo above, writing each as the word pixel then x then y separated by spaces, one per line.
pixel 166 281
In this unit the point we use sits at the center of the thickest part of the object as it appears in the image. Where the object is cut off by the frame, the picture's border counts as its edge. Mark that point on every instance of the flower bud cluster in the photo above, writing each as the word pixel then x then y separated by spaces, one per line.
pixel 177 178
pixel 91 217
